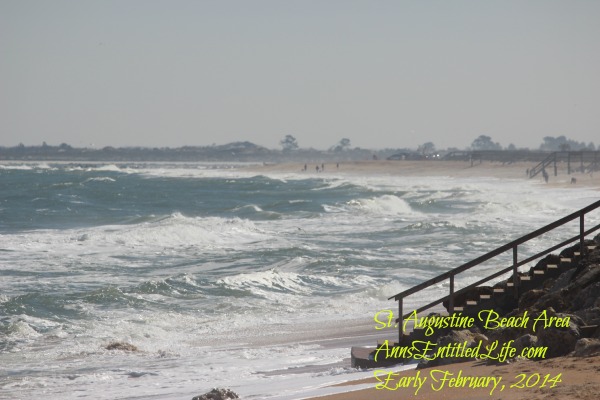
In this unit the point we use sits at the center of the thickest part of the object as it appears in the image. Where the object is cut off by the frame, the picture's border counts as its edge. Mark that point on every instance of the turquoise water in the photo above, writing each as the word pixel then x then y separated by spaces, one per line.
pixel 218 275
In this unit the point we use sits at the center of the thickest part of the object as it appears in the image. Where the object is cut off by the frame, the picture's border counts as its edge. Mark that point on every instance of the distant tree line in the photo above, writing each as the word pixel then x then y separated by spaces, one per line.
pixel 247 151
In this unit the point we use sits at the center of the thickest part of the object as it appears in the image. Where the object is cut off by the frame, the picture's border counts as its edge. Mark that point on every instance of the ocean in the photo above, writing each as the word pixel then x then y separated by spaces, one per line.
pixel 225 278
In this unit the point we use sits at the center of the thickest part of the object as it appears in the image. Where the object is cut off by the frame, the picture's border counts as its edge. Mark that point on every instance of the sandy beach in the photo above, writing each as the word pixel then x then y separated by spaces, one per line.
pixel 440 168
pixel 575 377
pixel 578 380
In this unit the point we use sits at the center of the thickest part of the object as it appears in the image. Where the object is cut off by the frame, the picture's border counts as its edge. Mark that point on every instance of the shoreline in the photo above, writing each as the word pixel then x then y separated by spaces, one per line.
pixel 408 168
pixel 422 168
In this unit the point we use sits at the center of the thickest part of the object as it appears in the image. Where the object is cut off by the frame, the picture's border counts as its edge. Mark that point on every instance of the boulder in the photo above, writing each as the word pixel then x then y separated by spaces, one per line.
pixel 528 299
pixel 218 394
pixel 589 297
pixel 587 347
pixel 588 275
pixel 525 341
pixel 558 301
pixel 590 316
pixel 559 341
pixel 454 337
pixel 562 281
pixel 123 346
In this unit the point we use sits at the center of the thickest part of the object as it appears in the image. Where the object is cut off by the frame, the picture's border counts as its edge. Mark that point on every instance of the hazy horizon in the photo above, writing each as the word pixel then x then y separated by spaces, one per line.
pixel 386 74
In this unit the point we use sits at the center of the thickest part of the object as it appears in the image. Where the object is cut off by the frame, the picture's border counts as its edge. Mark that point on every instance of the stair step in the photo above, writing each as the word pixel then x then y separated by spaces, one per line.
pixel 552 266
pixel 538 272
pixel 525 278
pixel 485 296
pixel 498 290
pixel 565 260
pixel 592 247
pixel 459 308
pixel 471 302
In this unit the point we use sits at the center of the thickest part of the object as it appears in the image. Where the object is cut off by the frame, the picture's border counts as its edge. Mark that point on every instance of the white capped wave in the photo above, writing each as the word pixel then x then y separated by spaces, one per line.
pixel 174 236
pixel 384 205
pixel 178 230
pixel 269 284
pixel 108 167
pixel 15 167
pixel 100 179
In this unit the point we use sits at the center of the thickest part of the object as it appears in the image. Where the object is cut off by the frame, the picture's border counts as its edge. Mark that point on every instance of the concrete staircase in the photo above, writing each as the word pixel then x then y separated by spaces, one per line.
pixel 500 297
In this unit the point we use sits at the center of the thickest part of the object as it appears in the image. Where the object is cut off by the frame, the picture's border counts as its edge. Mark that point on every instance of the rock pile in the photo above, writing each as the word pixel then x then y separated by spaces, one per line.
pixel 574 293
pixel 123 346
pixel 218 394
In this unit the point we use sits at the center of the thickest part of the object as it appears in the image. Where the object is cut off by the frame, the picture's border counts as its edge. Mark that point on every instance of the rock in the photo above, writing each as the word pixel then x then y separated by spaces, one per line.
pixel 589 275
pixel 587 347
pixel 591 316
pixel 121 346
pixel 548 283
pixel 503 336
pixel 528 299
pixel 557 300
pixel 588 297
pixel 525 341
pixel 565 295
pixel 559 341
pixel 562 281
pixel 458 337
pixel 218 394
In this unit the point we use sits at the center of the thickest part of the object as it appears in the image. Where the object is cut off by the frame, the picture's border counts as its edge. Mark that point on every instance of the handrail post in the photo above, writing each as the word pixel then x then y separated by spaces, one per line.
pixel 400 322
pixel 451 299
pixel 581 234
pixel 515 273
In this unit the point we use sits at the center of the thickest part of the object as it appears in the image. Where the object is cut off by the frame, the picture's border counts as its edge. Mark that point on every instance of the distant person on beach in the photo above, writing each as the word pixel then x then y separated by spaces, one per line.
pixel 322 167
pixel 545 175
pixel 317 168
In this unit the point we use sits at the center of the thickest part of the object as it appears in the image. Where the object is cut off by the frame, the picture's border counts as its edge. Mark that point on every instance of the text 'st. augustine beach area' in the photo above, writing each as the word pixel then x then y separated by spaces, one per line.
pixel 164 280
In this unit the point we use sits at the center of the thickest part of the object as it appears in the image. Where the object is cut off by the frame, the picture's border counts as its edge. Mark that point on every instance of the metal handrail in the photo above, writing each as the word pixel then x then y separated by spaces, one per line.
pixel 584 156
pixel 543 164
pixel 502 249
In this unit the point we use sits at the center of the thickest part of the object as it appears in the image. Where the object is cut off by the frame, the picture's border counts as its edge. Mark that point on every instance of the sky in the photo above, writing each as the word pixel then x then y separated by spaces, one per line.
pixel 384 74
